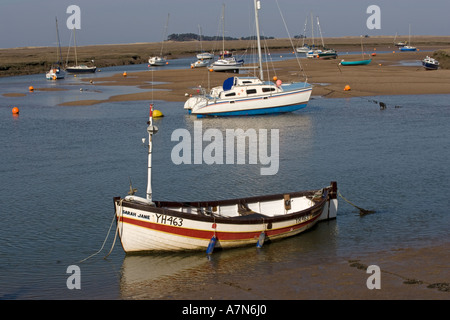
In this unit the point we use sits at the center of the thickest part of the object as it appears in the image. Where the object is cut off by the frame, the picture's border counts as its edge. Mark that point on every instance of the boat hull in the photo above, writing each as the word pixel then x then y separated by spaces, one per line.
pixel 81 69
pixel 355 63
pixel 430 66
pixel 406 48
pixel 175 227
pixel 157 61
pixel 286 101
pixel 54 74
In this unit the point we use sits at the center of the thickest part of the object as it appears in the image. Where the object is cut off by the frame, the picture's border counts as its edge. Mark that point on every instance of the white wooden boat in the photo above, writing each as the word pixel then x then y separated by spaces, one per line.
pixel 147 225
pixel 250 95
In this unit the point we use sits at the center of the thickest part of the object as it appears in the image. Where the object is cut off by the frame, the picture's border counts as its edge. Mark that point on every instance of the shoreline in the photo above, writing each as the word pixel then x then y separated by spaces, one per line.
pixel 388 74
pixel 404 274
pixel 385 75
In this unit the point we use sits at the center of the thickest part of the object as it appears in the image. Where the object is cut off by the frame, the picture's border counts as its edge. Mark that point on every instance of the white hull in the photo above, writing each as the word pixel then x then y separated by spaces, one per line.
pixel 227 64
pixel 200 64
pixel 150 228
pixel 250 99
pixel 205 56
pixel 157 61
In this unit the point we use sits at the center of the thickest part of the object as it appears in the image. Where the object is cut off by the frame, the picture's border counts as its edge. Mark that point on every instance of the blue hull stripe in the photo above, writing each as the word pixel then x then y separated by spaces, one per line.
pixel 273 110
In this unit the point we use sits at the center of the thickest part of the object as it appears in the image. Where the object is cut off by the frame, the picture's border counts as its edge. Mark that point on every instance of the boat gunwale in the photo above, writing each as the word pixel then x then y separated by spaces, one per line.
pixel 163 207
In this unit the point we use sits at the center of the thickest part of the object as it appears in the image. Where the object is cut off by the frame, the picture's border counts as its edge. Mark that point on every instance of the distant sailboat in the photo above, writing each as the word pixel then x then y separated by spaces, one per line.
pixel 356 62
pixel 79 68
pixel 304 49
pixel 203 58
pixel 227 62
pixel 56 72
pixel 408 47
pixel 323 53
pixel 160 60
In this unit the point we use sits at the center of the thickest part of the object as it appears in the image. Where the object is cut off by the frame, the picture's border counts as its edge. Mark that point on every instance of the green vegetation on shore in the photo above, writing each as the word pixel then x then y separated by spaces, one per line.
pixel 443 56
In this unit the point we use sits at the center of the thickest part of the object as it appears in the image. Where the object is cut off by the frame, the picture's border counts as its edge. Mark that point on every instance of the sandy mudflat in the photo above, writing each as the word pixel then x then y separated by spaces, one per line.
pixel 405 274
pixel 384 76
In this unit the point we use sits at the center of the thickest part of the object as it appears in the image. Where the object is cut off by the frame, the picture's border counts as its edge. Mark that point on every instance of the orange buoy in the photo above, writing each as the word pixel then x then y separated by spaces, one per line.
pixel 347 88
pixel 167 62
pixel 30 88
pixel 374 54
pixel 15 110
pixel 124 74
pixel 275 78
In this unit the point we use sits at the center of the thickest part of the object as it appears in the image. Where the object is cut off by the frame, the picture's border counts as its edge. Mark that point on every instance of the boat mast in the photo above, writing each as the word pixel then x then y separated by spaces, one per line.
pixel 223 30
pixel 75 44
pixel 257 7
pixel 320 31
pixel 164 34
pixel 151 129
pixel 58 58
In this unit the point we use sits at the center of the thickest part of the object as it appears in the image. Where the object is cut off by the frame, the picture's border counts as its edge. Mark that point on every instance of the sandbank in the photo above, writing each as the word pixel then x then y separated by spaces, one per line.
pixel 387 74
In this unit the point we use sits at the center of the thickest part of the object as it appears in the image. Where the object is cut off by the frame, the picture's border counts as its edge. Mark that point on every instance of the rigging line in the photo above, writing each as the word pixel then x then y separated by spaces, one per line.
pixel 292 44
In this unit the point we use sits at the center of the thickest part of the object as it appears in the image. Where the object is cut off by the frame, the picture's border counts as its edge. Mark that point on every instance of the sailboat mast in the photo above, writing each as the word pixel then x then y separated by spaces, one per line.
pixel 75 44
pixel 164 34
pixel 258 38
pixel 223 29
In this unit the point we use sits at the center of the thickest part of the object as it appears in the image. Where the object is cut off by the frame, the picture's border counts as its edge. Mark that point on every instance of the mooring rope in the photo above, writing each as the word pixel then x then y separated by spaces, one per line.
pixel 361 210
pixel 382 104
pixel 107 236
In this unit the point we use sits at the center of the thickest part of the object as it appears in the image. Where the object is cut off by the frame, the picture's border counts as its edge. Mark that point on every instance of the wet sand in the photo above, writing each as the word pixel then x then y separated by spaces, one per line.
pixel 385 75
pixel 405 274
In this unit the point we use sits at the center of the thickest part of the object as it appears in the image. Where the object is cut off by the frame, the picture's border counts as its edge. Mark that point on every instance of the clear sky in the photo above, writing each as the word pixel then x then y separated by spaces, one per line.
pixel 32 22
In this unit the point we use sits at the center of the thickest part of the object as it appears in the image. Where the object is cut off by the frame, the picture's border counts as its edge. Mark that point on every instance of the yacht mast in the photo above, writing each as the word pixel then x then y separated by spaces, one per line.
pixel 257 7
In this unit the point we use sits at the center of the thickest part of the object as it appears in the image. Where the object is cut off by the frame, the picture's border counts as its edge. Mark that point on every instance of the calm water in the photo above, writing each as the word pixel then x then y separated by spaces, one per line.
pixel 61 167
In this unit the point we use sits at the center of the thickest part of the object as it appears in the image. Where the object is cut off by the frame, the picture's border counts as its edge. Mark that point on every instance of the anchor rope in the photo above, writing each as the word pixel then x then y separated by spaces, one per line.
pixel 107 236
pixel 361 210
pixel 380 103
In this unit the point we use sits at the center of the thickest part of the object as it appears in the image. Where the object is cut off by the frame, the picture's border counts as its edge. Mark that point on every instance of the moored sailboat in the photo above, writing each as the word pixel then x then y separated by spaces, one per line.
pixel 361 62
pixel 408 47
pixel 250 95
pixel 56 72
pixel 226 62
pixel 82 68
pixel 160 60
